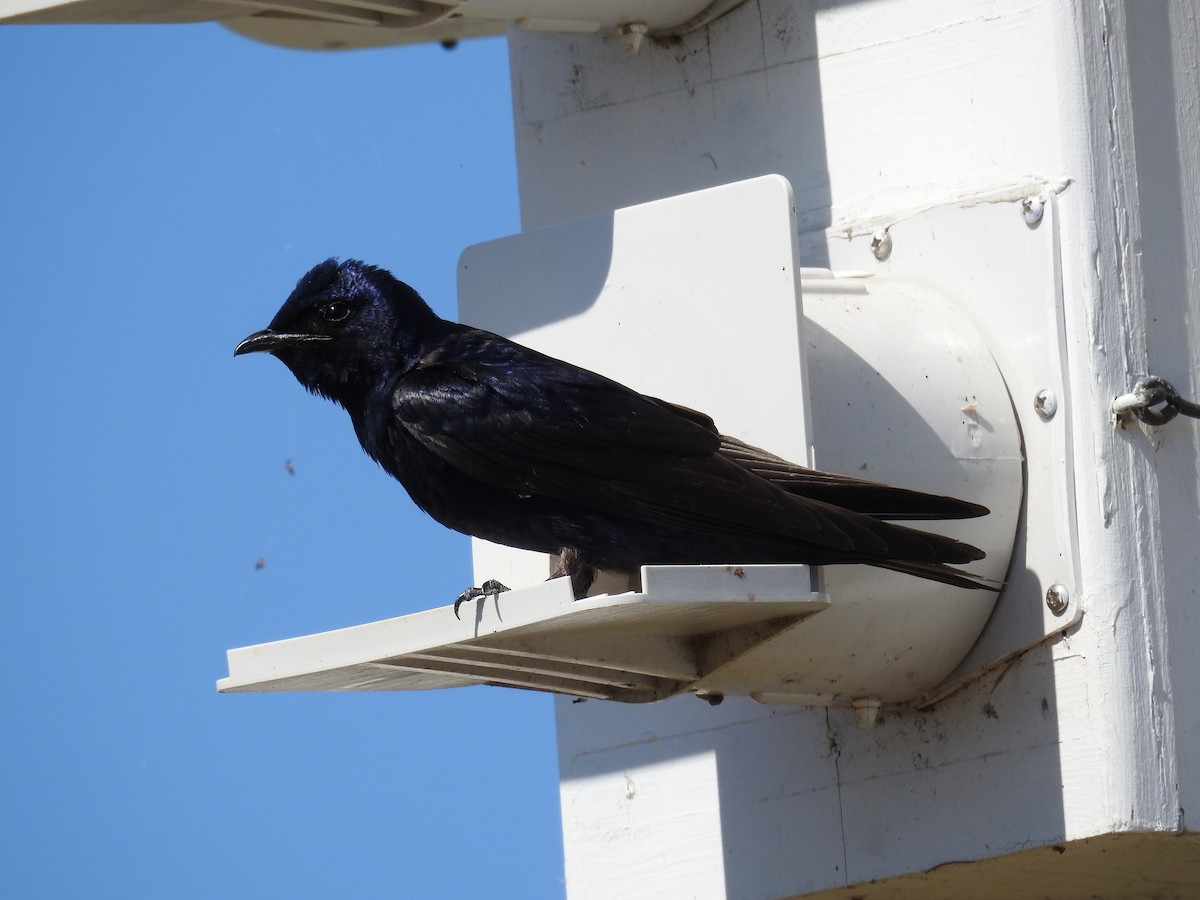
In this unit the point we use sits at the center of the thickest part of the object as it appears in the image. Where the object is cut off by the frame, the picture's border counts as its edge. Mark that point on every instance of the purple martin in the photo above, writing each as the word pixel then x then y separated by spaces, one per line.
pixel 498 441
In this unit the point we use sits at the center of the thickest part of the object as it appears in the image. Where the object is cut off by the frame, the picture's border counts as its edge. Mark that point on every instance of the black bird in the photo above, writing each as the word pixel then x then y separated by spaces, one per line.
pixel 502 442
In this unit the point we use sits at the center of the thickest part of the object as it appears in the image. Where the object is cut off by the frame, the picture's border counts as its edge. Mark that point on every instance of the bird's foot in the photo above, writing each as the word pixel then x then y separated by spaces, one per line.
pixel 490 588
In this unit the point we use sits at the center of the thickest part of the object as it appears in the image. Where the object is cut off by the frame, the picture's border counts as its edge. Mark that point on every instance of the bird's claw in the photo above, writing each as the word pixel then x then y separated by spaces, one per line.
pixel 490 588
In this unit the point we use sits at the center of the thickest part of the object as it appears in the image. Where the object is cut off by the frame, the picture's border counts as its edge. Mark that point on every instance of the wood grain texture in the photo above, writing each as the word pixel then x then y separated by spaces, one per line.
pixel 1131 314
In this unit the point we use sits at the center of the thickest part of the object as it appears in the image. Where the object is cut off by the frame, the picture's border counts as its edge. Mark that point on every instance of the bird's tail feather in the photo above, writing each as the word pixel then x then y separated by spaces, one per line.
pixel 941 573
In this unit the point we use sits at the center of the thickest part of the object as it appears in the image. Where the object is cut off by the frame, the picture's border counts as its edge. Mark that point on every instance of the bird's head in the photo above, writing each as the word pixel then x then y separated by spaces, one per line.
pixel 345 329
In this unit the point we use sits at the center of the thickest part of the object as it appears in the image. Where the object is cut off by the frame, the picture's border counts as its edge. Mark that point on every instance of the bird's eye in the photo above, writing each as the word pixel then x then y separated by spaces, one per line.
pixel 337 311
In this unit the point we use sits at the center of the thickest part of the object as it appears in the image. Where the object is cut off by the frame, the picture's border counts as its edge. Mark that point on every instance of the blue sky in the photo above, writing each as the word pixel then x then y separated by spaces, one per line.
pixel 161 190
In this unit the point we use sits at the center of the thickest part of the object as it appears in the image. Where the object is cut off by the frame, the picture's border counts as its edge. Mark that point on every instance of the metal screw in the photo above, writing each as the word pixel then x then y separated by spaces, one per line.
pixel 1032 209
pixel 1058 598
pixel 1045 403
pixel 632 33
pixel 866 710
pixel 881 244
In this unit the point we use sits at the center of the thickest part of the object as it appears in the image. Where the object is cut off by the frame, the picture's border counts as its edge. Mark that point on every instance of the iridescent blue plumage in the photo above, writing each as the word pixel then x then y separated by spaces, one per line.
pixel 496 440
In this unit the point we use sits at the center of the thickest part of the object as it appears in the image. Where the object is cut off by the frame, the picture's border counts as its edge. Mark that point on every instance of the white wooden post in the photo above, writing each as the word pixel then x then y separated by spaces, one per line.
pixel 1073 768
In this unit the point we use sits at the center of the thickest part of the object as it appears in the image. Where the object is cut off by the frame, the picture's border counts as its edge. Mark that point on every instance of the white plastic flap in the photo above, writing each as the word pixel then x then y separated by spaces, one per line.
pixel 694 299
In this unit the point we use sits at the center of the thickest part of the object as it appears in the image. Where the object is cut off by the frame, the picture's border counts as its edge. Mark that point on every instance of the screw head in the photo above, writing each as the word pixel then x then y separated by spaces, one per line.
pixel 866 711
pixel 1045 403
pixel 881 244
pixel 1032 210
pixel 632 33
pixel 1058 598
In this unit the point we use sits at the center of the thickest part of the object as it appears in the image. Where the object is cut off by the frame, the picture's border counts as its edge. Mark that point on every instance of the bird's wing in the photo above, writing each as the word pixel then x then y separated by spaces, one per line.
pixel 532 424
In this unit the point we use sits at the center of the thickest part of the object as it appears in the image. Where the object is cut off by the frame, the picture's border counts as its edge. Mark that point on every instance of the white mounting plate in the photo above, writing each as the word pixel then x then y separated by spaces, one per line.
pixel 1006 276
pixel 688 625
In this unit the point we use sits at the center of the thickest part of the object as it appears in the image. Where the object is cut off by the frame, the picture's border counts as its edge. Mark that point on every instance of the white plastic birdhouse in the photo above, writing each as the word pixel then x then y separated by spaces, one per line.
pixel 699 300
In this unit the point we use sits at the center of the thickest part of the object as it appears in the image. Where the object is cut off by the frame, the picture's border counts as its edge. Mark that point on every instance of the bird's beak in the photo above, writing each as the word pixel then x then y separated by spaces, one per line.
pixel 267 341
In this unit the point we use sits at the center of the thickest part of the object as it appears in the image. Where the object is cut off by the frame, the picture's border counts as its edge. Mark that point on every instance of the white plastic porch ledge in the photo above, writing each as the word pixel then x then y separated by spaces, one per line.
pixel 678 634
